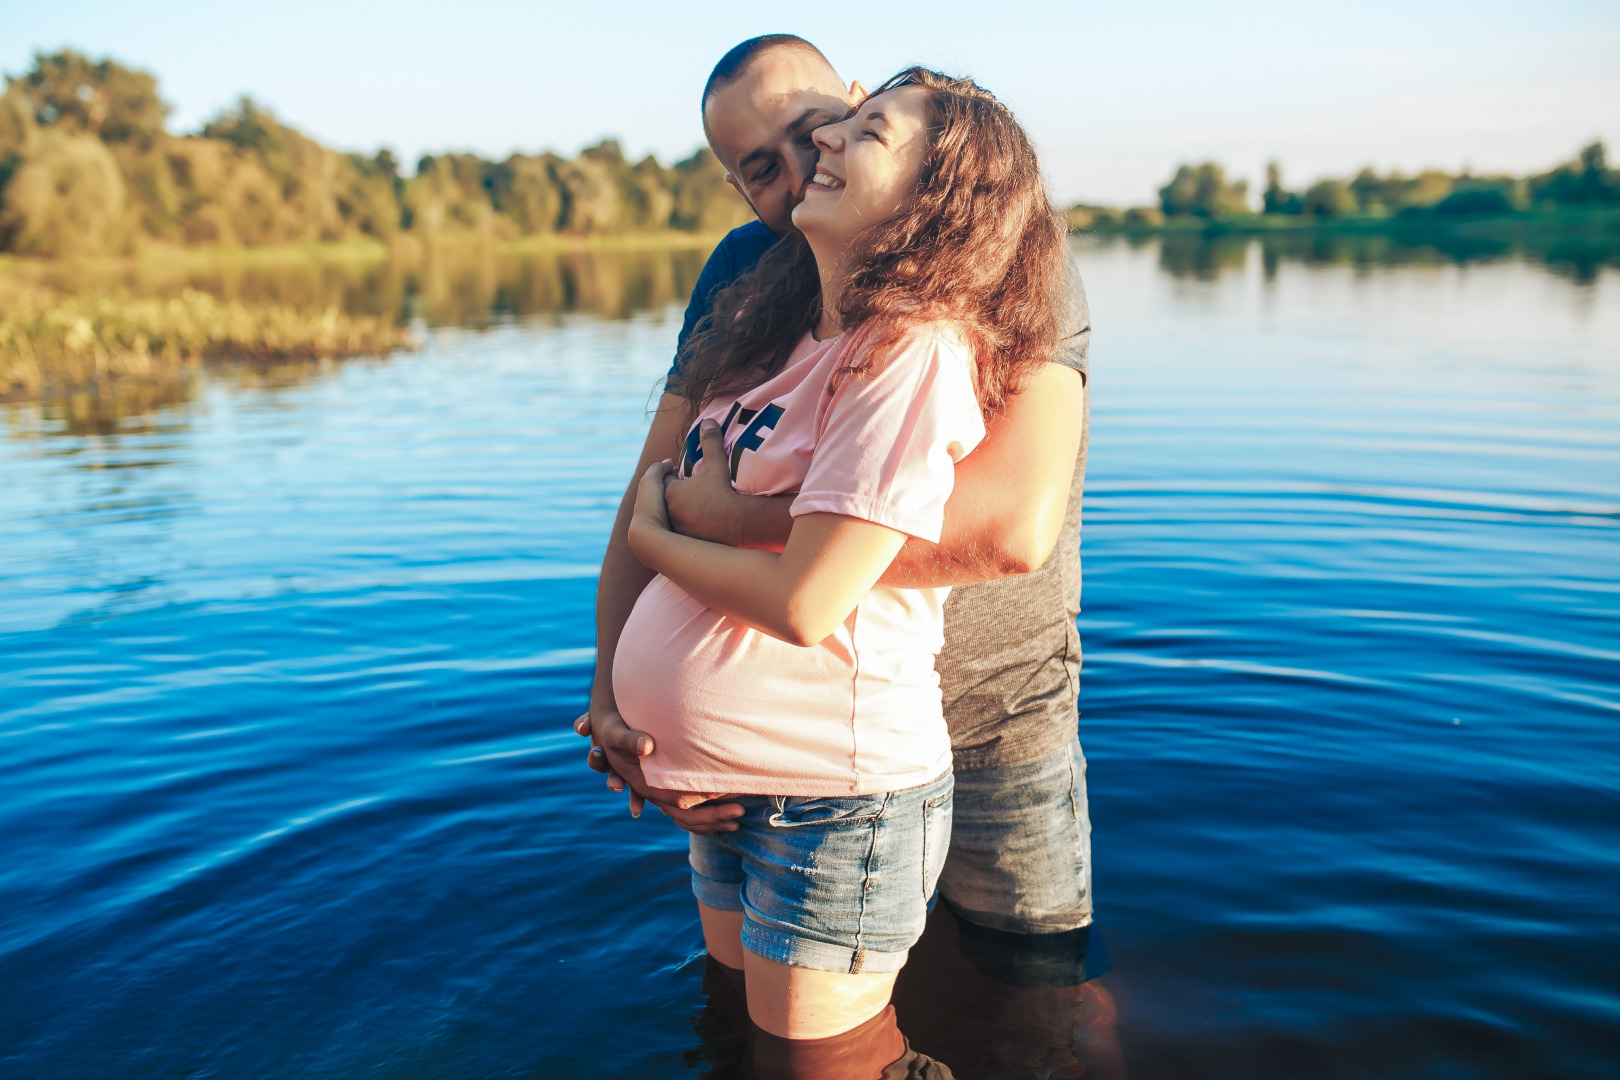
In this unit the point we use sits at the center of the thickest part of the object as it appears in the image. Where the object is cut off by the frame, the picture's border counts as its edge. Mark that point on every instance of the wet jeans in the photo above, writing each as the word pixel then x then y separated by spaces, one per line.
pixel 1020 854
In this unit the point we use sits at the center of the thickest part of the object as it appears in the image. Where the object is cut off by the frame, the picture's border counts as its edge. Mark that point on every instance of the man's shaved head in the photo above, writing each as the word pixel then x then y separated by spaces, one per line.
pixel 762 102
pixel 739 58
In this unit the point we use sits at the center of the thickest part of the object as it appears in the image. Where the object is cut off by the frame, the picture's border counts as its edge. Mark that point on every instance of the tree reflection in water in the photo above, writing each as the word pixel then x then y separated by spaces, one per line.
pixel 470 286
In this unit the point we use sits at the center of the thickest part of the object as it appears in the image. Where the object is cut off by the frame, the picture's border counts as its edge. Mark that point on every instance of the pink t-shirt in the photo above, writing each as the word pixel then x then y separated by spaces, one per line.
pixel 733 709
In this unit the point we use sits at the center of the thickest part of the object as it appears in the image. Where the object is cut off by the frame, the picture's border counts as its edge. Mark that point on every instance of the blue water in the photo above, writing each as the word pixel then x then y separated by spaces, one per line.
pixel 287 786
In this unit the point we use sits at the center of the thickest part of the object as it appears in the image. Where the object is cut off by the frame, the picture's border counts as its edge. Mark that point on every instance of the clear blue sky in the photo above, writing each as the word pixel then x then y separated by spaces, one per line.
pixel 1115 94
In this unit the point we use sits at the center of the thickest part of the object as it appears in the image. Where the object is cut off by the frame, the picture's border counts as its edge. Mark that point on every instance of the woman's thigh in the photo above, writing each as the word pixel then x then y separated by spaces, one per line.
pixel 803 1003
pixel 794 1002
pixel 722 934
pixel 841 884
pixel 830 893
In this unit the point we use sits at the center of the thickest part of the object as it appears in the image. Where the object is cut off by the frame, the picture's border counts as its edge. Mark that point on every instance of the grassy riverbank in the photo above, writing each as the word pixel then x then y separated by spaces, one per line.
pixel 53 344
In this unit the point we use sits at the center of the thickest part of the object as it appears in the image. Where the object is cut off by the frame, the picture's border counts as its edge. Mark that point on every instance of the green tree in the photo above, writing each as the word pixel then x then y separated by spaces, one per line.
pixel 592 202
pixel 66 198
pixel 1204 191
pixel 1329 199
pixel 1586 181
pixel 1481 197
pixel 17 131
pixel 525 189
pixel 1277 199
pixel 101 98
pixel 704 202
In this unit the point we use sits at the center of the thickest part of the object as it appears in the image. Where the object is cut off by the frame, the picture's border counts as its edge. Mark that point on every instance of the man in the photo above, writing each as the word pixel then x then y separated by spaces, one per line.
pixel 1020 858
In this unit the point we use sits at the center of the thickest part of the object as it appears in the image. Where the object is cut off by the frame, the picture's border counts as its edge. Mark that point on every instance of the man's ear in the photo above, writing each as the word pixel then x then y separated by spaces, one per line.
pixel 738 188
pixel 857 93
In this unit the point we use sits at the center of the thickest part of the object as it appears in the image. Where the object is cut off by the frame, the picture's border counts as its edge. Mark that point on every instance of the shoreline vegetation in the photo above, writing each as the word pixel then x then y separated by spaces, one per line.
pixel 1582 194
pixel 106 219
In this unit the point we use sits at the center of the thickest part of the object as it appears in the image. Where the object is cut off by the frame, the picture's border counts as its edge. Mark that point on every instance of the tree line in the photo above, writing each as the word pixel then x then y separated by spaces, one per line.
pixel 88 166
pixel 1587 182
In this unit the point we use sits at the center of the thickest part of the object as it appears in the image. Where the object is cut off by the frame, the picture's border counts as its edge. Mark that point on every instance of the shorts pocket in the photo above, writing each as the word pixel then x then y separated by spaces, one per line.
pixel 936 839
pixel 797 812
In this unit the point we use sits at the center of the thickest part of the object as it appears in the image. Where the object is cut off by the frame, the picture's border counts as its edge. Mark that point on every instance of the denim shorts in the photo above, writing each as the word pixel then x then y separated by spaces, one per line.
pixel 1020 857
pixel 835 883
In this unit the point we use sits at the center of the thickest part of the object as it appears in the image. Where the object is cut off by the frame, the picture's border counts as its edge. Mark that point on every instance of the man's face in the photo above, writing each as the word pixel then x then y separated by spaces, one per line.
pixel 760 125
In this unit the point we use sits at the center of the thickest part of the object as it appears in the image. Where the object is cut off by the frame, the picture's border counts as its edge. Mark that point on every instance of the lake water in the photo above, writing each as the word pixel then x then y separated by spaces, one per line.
pixel 287 784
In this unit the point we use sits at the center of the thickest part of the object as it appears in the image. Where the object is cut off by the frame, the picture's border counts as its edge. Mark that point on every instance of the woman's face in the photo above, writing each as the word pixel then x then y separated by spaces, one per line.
pixel 868 168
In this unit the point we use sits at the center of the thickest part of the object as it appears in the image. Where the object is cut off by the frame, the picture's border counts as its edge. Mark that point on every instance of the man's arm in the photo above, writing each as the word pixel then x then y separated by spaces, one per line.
pixel 1003 517
pixel 616 748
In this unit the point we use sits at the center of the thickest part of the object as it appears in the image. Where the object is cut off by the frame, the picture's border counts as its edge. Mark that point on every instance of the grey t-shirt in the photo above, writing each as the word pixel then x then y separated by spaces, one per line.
pixel 1010 669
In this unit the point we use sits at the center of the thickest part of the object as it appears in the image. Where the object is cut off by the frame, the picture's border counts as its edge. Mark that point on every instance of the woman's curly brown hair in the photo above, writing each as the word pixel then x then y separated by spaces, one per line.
pixel 978 244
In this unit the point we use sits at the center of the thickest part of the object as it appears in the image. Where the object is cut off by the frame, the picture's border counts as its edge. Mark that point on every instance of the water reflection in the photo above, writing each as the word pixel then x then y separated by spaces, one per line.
pixel 1578 255
pixel 479 287
pixel 457 286
pixel 460 287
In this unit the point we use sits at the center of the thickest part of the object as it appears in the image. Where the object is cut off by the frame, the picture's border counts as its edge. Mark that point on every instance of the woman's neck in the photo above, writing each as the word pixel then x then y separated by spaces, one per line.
pixel 831 268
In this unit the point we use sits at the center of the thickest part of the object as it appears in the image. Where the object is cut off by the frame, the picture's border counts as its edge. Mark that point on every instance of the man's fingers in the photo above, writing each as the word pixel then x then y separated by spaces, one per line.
pixel 637 804
pixel 582 726
pixel 615 782
pixel 690 799
pixel 706 819
pixel 597 760
pixel 628 741
pixel 714 444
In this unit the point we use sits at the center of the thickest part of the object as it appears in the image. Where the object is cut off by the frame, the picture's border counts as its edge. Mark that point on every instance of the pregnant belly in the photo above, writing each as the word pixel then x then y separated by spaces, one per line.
pixel 730 708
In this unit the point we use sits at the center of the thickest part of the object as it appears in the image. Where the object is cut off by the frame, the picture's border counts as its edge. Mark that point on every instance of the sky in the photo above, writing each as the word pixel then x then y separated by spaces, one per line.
pixel 1115 95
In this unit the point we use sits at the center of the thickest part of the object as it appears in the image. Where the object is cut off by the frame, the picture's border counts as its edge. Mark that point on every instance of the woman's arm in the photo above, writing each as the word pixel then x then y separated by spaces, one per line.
pixel 1003 517
pixel 801 595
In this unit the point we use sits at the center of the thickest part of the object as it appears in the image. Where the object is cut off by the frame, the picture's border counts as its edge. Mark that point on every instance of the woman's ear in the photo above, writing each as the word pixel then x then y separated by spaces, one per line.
pixel 857 93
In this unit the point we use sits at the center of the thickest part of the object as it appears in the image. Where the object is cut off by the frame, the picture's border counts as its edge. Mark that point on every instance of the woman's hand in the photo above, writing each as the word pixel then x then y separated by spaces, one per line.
pixel 650 517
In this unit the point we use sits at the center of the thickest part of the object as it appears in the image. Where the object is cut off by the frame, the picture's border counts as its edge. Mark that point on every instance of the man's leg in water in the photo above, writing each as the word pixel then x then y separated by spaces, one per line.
pixel 1020 854
pixel 1011 963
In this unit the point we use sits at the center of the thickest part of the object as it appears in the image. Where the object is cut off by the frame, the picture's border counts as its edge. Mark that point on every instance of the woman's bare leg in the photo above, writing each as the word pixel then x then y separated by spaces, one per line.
pixel 722 935
pixel 795 1002
pixel 801 1003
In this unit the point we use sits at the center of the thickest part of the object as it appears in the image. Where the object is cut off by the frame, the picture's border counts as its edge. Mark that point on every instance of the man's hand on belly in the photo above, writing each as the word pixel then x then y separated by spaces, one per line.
pixel 617 750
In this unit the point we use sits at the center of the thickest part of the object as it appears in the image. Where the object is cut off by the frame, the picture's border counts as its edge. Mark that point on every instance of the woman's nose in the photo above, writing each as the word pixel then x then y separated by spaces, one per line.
pixel 829 139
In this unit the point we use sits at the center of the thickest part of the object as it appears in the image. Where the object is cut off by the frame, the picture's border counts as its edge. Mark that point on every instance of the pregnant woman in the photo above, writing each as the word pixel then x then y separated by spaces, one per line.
pixel 853 367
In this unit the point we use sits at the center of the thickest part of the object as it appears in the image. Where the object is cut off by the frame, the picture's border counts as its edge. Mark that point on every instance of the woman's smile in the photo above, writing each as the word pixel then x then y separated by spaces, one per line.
pixel 871 159
pixel 825 179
